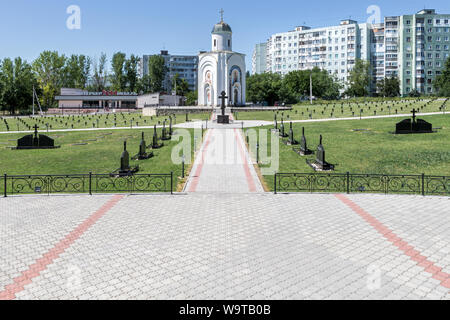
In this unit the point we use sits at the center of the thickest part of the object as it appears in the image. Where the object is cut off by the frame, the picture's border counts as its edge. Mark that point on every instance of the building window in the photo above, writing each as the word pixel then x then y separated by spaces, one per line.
pixel 215 43
pixel 229 43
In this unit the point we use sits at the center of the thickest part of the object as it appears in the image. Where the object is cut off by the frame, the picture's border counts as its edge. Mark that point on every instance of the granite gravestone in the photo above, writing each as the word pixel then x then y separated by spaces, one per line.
pixel 164 135
pixel 282 131
pixel 291 140
pixel 303 150
pixel 410 126
pixel 143 155
pixel 320 163
pixel 125 169
pixel 155 144
pixel 36 141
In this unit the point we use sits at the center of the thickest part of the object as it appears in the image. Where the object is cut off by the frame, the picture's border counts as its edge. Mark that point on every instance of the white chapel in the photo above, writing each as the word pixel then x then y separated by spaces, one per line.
pixel 221 69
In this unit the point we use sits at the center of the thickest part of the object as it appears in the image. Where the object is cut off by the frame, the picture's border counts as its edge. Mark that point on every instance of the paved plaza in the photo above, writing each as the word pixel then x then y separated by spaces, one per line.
pixel 231 246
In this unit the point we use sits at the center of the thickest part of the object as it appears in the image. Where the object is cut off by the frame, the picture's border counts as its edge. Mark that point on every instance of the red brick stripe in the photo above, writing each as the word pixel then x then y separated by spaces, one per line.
pixel 196 177
pixel 248 175
pixel 402 245
pixel 34 270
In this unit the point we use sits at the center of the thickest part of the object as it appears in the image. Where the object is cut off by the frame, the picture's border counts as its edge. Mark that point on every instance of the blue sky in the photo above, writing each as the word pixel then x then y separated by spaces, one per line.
pixel 28 27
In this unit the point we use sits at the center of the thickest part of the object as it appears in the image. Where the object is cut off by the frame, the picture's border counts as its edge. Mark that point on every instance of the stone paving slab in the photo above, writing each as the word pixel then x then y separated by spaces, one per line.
pixel 223 165
pixel 230 246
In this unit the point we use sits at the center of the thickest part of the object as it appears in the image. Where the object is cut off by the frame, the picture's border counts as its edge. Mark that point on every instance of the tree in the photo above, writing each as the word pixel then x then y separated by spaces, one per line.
pixel 442 81
pixel 181 84
pixel 2 104
pixel 77 70
pixel 297 84
pixel 191 98
pixel 131 73
pixel 389 87
pixel 144 85
pixel 49 69
pixel 100 73
pixel 359 79
pixel 16 85
pixel 118 79
pixel 264 87
pixel 157 72
pixel 414 94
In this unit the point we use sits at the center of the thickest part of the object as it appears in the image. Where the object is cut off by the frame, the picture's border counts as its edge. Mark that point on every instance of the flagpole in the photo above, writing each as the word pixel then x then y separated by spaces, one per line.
pixel 33 100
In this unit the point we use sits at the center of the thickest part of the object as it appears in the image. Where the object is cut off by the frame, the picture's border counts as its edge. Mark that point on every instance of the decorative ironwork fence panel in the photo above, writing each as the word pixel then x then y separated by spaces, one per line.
pixel 86 183
pixel 138 183
pixel 362 183
pixel 310 182
pixel 437 185
pixel 398 184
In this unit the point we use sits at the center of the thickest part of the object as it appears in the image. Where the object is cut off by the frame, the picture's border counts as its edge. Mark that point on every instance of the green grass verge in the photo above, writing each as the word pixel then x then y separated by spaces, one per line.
pixel 100 154
pixel 92 121
pixel 334 110
pixel 374 150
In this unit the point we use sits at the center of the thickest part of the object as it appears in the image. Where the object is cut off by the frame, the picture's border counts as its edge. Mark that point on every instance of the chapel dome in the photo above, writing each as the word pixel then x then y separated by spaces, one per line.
pixel 221 27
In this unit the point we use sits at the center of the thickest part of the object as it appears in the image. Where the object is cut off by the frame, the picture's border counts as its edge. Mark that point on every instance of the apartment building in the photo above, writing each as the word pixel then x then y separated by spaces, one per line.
pixel 259 60
pixel 334 49
pixel 413 48
pixel 424 48
pixel 185 66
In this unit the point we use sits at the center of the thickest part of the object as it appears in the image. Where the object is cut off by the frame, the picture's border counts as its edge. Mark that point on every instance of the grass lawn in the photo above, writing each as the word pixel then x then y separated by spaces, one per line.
pixel 334 110
pixel 373 150
pixel 91 121
pixel 100 154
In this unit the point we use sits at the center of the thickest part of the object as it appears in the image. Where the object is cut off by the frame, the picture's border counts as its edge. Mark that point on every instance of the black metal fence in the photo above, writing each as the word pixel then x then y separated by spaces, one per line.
pixel 362 183
pixel 86 183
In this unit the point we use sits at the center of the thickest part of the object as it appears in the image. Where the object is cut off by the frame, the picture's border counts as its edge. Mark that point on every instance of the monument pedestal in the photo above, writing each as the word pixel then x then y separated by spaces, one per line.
pixel 223 119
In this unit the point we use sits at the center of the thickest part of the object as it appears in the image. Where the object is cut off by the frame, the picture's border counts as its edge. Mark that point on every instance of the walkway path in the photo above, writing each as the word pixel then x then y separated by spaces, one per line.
pixel 223 164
